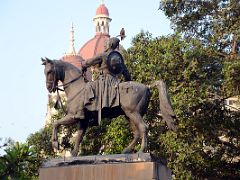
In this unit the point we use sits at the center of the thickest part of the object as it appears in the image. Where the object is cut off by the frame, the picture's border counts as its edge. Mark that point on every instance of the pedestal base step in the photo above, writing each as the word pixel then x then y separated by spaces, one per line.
pixel 106 167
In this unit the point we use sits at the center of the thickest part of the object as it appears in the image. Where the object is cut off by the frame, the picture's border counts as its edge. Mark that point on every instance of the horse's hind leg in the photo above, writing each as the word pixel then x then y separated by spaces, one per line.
pixel 137 120
pixel 136 134
pixel 80 134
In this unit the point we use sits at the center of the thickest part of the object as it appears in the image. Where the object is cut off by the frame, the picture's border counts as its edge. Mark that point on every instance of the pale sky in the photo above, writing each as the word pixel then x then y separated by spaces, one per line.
pixel 33 29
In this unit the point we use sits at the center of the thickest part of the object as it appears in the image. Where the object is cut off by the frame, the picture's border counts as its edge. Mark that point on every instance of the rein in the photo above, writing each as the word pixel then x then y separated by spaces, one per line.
pixel 61 103
pixel 57 87
pixel 67 84
pixel 59 99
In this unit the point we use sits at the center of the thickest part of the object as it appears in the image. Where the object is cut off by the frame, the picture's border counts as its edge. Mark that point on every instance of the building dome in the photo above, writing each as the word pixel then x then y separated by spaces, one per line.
pixel 74 59
pixel 102 10
pixel 94 46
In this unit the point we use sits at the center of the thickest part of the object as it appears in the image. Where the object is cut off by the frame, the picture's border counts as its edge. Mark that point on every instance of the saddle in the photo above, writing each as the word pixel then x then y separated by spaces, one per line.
pixel 95 101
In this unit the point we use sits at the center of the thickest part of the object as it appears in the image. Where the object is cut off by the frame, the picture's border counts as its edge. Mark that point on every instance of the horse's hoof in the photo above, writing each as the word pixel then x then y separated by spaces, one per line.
pixel 55 145
pixel 126 151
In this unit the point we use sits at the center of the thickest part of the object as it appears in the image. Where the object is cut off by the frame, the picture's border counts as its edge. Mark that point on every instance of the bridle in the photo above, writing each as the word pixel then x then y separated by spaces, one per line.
pixel 60 76
pixel 57 76
pixel 54 81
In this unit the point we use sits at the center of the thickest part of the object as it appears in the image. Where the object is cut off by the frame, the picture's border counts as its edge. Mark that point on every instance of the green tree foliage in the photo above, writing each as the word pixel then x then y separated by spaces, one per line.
pixel 111 137
pixel 194 76
pixel 41 141
pixel 5 142
pixel 231 83
pixel 116 136
pixel 19 162
pixel 215 23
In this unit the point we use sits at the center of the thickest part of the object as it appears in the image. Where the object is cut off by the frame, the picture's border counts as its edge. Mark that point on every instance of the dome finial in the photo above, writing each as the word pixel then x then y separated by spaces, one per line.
pixel 102 1
pixel 72 48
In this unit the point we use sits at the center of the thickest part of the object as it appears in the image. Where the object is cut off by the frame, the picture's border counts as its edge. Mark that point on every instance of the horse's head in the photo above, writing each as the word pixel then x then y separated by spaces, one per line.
pixel 51 73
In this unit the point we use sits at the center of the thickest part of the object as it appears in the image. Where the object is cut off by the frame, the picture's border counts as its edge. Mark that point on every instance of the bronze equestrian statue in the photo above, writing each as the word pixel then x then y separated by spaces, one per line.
pixel 106 95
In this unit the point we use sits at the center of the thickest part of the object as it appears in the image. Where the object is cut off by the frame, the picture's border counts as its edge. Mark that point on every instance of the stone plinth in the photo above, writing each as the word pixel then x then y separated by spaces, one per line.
pixel 106 167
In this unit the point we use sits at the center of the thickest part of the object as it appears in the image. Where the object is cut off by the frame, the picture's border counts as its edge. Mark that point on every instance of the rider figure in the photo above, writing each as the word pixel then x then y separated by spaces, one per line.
pixel 106 85
pixel 101 61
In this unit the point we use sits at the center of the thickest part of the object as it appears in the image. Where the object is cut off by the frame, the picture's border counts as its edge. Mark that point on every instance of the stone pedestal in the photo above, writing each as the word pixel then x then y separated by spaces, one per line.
pixel 106 167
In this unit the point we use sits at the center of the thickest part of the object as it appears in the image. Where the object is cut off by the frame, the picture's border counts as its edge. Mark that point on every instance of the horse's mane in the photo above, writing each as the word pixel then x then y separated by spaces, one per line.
pixel 65 64
pixel 62 66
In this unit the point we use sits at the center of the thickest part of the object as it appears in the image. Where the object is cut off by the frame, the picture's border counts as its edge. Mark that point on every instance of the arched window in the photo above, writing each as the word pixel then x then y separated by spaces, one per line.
pixel 102 27
pixel 97 27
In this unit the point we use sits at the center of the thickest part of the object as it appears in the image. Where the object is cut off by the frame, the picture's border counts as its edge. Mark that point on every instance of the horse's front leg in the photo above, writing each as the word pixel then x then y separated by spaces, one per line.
pixel 79 137
pixel 66 120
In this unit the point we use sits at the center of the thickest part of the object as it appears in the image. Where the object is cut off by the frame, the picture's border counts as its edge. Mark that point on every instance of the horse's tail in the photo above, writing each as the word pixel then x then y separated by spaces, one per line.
pixel 166 109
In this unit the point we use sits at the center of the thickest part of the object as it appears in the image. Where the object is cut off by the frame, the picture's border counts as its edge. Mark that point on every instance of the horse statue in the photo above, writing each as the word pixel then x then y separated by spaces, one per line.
pixel 133 103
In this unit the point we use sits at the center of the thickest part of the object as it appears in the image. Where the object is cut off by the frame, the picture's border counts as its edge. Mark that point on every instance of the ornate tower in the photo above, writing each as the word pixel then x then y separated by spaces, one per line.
pixel 96 45
pixel 102 20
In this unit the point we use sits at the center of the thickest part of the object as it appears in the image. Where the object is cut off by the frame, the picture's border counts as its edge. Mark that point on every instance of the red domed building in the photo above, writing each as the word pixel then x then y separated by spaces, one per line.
pixel 96 45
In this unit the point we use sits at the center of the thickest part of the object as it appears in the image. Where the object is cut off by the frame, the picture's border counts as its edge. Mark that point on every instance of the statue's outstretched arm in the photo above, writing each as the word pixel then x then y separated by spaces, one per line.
pixel 93 61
